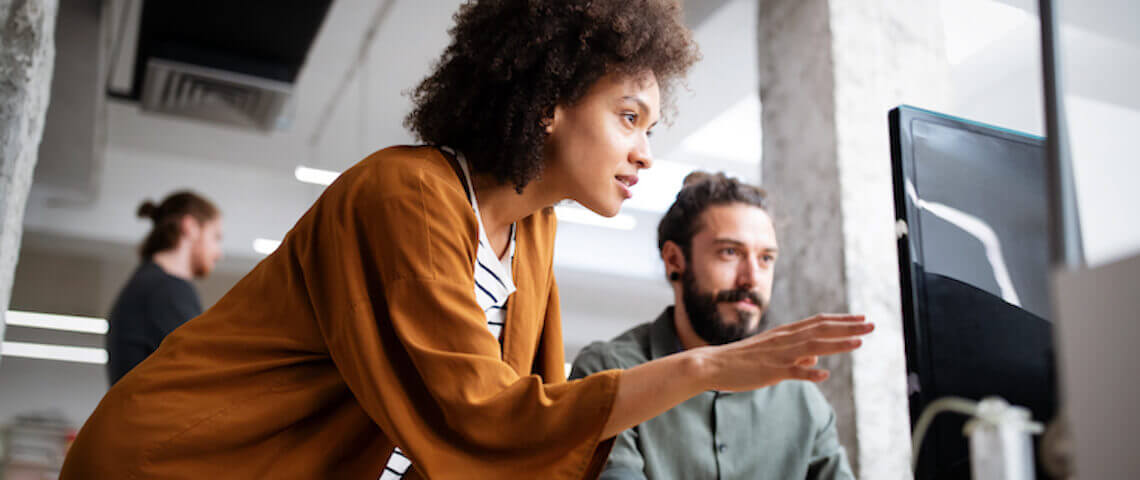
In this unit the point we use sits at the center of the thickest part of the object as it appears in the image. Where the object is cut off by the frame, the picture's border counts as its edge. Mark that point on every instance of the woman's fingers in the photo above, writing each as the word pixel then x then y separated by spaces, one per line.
pixel 794 354
pixel 819 330
pixel 791 351
pixel 827 317
pixel 816 320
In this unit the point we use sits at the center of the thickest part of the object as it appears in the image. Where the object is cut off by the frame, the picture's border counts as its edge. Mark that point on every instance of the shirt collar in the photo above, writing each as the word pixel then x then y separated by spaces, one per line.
pixel 663 338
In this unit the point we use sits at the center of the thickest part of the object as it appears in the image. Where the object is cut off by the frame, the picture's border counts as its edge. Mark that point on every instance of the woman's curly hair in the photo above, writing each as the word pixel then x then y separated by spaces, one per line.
pixel 511 62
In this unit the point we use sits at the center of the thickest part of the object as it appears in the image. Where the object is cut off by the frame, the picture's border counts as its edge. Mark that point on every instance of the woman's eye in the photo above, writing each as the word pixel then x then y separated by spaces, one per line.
pixel 630 117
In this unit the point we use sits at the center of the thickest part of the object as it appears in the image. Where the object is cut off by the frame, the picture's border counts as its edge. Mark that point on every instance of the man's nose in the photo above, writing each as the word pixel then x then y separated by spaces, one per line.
pixel 748 274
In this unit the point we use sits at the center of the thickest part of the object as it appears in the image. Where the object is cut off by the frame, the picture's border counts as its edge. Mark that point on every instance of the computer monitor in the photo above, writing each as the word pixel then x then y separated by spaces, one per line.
pixel 972 211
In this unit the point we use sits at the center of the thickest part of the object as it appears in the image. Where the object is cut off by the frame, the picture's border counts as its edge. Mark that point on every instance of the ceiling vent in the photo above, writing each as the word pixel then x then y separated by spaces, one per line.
pixel 216 96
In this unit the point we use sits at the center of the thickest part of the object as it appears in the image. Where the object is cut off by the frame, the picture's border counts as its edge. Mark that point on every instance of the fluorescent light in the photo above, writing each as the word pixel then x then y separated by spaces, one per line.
pixel 67 323
pixel 54 352
pixel 315 175
pixel 265 246
pixel 586 217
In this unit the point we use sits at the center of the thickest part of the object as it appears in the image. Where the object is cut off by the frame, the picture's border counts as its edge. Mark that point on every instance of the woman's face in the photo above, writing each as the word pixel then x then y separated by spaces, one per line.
pixel 596 146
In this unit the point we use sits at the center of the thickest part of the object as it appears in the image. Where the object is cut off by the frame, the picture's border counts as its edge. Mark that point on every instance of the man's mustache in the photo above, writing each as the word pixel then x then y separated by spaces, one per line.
pixel 738 294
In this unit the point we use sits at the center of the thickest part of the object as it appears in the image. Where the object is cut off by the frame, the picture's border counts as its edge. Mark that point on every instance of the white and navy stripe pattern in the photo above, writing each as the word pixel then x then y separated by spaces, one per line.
pixel 493 280
pixel 398 466
pixel 493 286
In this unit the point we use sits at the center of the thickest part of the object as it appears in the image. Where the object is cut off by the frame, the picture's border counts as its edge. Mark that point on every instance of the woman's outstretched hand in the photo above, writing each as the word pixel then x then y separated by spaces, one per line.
pixel 787 352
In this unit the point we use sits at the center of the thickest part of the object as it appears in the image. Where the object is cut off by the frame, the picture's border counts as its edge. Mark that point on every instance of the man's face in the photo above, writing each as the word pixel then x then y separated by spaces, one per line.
pixel 727 282
pixel 206 247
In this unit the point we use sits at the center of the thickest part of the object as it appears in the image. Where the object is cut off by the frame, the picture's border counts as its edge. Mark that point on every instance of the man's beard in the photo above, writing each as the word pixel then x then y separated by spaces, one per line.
pixel 200 266
pixel 707 321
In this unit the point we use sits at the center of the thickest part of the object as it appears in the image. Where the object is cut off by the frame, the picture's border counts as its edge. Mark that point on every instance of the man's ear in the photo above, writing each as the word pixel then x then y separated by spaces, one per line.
pixel 674 259
pixel 190 228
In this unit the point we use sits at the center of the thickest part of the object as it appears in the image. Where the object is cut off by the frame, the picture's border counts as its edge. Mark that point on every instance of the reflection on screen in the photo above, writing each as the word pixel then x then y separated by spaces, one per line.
pixel 986 212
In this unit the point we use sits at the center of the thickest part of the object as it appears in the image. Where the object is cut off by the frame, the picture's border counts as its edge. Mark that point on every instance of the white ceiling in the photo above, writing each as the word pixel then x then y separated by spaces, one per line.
pixel 346 108
pixel 350 100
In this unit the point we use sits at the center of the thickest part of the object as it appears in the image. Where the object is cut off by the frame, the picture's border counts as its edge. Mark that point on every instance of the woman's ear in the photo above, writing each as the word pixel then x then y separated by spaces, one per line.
pixel 550 123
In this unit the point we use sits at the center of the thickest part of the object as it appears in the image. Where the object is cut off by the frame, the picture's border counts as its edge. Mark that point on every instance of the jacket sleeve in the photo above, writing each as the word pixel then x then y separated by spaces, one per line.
pixel 625 461
pixel 388 264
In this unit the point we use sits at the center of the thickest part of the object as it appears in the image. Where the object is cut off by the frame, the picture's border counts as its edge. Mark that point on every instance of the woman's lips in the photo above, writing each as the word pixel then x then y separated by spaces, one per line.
pixel 626 182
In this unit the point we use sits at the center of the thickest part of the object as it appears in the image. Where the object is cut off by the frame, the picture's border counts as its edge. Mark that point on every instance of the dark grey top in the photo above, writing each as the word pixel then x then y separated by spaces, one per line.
pixel 150 306
pixel 786 431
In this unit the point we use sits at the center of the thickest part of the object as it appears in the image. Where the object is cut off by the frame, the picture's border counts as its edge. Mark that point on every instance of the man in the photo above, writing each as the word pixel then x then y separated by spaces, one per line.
pixel 719 249
pixel 184 244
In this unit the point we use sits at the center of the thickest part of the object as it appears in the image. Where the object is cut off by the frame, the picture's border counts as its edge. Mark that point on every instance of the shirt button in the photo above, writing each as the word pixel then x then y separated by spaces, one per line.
pixel 721 447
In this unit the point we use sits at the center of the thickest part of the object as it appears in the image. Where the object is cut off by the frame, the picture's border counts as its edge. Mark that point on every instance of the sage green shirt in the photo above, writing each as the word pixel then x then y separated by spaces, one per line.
pixel 782 432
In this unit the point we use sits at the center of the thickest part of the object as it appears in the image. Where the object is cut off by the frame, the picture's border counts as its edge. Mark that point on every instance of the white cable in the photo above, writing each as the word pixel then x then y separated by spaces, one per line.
pixel 990 410
pixel 944 404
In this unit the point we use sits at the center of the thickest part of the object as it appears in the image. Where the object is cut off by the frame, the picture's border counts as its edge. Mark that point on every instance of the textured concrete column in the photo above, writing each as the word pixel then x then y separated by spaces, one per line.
pixel 829 72
pixel 27 53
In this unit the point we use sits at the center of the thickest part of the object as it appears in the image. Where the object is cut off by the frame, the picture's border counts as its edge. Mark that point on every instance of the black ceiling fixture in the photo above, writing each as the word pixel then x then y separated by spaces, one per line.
pixel 268 39
pixel 225 61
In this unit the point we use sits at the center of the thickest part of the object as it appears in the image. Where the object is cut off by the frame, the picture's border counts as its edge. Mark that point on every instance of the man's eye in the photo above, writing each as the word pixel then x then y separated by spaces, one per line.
pixel 728 251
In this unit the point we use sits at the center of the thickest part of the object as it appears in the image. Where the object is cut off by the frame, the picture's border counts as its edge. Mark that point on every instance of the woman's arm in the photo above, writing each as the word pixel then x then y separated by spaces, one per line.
pixel 787 352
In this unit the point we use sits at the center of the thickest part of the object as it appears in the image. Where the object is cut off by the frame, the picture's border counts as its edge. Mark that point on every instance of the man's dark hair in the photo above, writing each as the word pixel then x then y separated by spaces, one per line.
pixel 702 190
pixel 167 218
pixel 511 62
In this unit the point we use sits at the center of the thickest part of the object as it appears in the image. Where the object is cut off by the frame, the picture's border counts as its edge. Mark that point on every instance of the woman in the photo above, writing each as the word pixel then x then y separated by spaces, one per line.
pixel 368 340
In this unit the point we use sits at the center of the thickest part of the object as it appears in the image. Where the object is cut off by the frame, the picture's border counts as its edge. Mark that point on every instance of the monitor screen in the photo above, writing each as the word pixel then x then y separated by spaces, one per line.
pixel 974 268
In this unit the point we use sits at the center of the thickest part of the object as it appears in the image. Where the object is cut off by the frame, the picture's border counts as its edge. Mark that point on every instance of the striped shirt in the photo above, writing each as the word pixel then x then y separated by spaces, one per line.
pixel 493 286
pixel 493 279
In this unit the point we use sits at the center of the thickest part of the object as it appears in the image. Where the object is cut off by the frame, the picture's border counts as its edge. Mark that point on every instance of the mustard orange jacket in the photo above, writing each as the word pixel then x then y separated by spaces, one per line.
pixel 361 333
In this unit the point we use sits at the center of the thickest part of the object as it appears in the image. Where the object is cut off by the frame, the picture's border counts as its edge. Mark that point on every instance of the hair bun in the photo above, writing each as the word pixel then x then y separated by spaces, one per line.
pixel 698 176
pixel 148 210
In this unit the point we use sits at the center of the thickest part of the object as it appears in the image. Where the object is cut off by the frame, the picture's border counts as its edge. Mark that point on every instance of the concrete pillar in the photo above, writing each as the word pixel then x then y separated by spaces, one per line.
pixel 829 72
pixel 27 53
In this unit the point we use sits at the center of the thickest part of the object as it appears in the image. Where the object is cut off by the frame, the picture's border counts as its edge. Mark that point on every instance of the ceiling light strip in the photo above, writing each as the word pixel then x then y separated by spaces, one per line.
pixel 315 175
pixel 51 321
pixel 61 353
pixel 265 246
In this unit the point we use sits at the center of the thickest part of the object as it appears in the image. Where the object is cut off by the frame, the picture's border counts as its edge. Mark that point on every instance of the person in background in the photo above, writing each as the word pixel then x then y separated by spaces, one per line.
pixel 719 248
pixel 184 244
